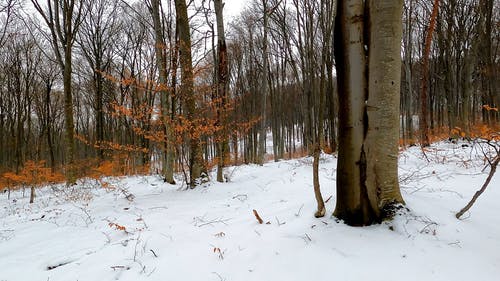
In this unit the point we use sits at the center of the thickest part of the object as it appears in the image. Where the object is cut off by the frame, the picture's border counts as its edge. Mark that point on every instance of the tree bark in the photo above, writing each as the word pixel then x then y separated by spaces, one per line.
pixel 352 205
pixel 187 92
pixel 423 124
pixel 222 85
pixel 68 117
pixel 264 89
pixel 48 90
pixel 367 181
pixel 382 137
pixel 161 60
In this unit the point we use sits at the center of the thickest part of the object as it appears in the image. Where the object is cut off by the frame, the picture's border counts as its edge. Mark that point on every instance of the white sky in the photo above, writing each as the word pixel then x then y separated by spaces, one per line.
pixel 233 7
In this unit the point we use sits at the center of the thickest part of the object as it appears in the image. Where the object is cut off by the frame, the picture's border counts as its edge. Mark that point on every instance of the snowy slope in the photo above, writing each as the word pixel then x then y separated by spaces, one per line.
pixel 210 233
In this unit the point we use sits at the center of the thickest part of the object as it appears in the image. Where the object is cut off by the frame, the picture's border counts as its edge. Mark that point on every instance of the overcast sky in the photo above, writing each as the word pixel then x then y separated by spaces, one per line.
pixel 233 7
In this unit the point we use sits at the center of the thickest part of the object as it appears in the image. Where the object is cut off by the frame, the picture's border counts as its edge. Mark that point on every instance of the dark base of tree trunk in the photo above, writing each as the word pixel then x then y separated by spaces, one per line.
pixel 32 195
pixel 366 216
pixel 392 209
pixel 170 182
pixel 358 217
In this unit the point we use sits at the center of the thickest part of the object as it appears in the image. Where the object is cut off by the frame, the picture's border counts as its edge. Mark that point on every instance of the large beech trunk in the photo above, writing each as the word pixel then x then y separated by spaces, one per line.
pixel 367 179
pixel 382 107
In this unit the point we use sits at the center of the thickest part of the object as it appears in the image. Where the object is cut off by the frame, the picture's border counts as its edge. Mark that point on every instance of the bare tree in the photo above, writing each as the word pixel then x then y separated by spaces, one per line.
pixel 424 126
pixel 63 18
pixel 264 91
pixel 48 73
pixel 222 71
pixel 6 12
pixel 161 49
pixel 196 166
pixel 96 38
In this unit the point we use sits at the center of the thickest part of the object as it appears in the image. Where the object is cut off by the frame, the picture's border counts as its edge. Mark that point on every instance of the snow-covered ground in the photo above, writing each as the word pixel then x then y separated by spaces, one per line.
pixel 210 233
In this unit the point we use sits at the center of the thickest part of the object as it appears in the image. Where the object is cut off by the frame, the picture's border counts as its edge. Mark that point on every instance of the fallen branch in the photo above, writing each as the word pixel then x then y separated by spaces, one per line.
pixel 220 277
pixel 241 197
pixel 279 223
pixel 478 193
pixel 223 221
pixel 129 196
pixel 298 213
pixel 153 253
pixel 307 238
pixel 50 267
pixel 259 219
pixel 115 267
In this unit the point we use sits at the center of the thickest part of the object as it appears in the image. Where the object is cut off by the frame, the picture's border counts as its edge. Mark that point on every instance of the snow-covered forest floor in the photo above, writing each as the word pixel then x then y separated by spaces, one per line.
pixel 88 232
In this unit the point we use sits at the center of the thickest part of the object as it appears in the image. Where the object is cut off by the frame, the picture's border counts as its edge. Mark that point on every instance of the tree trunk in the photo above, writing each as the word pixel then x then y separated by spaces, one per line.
pixel 161 60
pixel 367 181
pixel 63 23
pixel 48 89
pixel 32 194
pixel 381 143
pixel 352 199
pixel 265 73
pixel 187 92
pixel 222 85
pixel 487 56
pixel 423 124
pixel 68 118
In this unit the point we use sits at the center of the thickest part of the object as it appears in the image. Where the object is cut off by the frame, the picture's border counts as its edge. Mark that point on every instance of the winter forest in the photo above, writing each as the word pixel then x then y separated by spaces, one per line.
pixel 249 140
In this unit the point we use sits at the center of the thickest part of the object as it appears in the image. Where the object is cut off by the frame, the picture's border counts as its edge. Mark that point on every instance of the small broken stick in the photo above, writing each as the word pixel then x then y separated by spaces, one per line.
pixel 259 219
pixel 123 267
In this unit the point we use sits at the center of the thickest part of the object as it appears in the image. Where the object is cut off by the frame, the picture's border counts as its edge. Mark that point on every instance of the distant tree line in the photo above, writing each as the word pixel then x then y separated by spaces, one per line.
pixel 162 87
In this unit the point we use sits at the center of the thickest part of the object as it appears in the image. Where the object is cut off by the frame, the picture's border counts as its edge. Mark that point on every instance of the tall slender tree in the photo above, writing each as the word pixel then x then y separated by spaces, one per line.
pixel 187 94
pixel 222 70
pixel 63 18
pixel 424 99
pixel 165 97
pixel 96 39
pixel 261 151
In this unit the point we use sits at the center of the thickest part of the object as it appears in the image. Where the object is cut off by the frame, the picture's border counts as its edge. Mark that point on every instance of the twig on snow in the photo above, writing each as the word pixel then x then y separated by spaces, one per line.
pixel 214 222
pixel 218 275
pixel 298 213
pixel 307 238
pixel 279 223
pixel 241 197
pixel 115 267
pixel 259 219
pixel 136 244
pixel 153 253
pixel 478 193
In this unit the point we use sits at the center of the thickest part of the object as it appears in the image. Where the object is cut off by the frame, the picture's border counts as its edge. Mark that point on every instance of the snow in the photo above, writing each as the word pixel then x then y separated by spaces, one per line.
pixel 210 233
